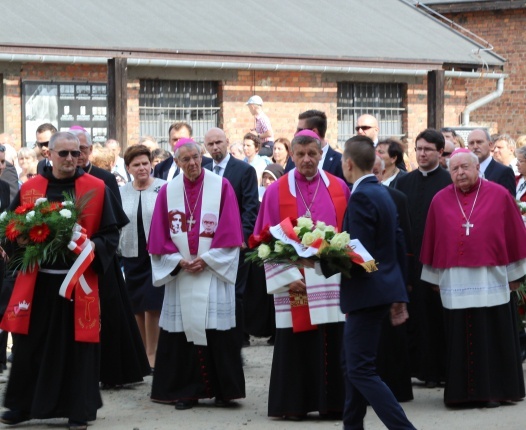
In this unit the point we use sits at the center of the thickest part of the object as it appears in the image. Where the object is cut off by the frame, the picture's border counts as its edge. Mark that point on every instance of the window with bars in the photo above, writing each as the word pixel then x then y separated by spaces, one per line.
pixel 383 101
pixel 162 102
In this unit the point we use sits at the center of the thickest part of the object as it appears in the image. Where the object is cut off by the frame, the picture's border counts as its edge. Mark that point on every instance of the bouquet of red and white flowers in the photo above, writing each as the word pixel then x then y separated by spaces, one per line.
pixel 45 231
pixel 296 239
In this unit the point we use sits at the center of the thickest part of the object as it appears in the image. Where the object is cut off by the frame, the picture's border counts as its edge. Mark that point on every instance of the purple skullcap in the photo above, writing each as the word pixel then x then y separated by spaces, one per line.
pixel 78 127
pixel 308 133
pixel 460 151
pixel 181 142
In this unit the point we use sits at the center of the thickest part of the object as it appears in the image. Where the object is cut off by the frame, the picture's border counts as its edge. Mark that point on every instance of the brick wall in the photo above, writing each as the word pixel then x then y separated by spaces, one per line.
pixel 506 31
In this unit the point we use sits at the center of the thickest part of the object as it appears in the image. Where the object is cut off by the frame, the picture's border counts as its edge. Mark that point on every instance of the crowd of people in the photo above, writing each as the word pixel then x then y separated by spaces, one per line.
pixel 179 299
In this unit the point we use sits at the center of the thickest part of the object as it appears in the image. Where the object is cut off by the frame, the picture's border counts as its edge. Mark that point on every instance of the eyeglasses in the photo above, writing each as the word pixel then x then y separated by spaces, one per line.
pixel 362 127
pixel 425 150
pixel 64 153
pixel 446 154
pixel 43 144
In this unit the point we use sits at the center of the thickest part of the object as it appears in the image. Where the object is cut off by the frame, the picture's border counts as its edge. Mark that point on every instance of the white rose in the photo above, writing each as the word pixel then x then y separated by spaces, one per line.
pixel 340 240
pixel 40 201
pixel 278 246
pixel 308 239
pixel 263 251
pixel 330 228
pixel 68 203
pixel 30 215
pixel 3 215
pixel 318 234
pixel 297 230
pixel 66 213
pixel 305 222
pixel 320 225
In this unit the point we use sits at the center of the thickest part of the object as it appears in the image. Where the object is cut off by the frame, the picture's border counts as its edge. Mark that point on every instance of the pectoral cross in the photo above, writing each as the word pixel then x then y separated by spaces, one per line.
pixel 468 226
pixel 191 222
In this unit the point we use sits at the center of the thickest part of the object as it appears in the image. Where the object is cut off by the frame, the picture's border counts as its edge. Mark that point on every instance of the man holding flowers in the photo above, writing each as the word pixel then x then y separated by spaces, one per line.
pixel 306 373
pixel 55 370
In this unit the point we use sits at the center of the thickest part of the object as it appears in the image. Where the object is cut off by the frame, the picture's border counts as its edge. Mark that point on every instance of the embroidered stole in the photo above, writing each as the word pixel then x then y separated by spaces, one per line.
pixel 87 310
pixel 321 302
pixel 194 288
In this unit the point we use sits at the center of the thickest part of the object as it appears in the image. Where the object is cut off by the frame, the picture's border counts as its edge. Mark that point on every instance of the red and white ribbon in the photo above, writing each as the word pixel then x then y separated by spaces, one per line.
pixel 81 245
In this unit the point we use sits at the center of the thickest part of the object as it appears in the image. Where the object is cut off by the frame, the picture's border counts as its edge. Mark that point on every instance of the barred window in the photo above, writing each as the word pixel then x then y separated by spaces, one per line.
pixel 162 102
pixel 383 101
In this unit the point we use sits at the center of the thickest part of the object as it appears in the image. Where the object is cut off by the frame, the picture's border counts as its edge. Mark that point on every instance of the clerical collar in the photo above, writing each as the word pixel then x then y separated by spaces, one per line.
pixel 301 177
pixel 223 163
pixel 355 185
pixel 425 173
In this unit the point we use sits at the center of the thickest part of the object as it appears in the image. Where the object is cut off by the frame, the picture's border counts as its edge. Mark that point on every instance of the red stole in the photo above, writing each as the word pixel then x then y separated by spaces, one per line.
pixel 288 207
pixel 87 313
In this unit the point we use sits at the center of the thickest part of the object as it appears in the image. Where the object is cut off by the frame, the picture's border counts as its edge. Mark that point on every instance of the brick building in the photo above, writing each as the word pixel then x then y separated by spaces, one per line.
pixel 200 64
pixel 503 24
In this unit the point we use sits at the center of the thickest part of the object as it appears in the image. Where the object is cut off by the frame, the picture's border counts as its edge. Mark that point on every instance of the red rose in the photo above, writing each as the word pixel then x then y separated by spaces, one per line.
pixel 253 241
pixel 39 233
pixel 294 222
pixel 264 235
pixel 11 230
pixel 25 208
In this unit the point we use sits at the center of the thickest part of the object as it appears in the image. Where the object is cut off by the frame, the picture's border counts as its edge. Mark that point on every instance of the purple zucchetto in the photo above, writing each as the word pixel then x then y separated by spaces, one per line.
pixel 182 141
pixel 308 133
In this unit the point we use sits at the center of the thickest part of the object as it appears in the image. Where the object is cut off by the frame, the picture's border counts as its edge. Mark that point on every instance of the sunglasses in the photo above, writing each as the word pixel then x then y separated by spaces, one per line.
pixel 43 144
pixel 446 154
pixel 362 127
pixel 64 154
pixel 2 148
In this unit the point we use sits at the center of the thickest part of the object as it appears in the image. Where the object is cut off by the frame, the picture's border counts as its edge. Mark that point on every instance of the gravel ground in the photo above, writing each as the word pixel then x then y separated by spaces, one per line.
pixel 131 409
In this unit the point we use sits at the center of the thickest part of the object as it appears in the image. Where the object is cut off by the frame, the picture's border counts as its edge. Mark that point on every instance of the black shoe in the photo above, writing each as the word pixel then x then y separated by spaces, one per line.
pixel 220 403
pixel 182 405
pixel 77 425
pixel 270 340
pixel 490 405
pixel 14 417
pixel 431 384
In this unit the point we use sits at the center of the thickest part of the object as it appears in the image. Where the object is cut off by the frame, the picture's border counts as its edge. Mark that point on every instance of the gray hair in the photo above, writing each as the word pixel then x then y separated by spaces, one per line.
pixel 508 139
pixel 62 135
pixel 304 140
pixel 521 151
pixel 85 133
pixel 192 145
pixel 470 154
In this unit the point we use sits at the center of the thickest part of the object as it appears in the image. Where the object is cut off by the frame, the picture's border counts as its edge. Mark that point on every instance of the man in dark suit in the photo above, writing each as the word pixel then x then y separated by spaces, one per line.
pixel 243 178
pixel 479 142
pixel 316 121
pixel 168 169
pixel 43 134
pixel 368 297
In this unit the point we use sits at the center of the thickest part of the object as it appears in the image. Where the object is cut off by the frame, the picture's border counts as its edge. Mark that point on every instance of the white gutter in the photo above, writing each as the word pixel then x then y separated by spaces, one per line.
pixel 482 101
pixel 148 62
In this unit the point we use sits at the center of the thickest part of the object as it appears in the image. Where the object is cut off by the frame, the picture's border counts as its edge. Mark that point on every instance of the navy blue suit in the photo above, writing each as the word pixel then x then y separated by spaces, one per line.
pixel 333 163
pixel 501 174
pixel 366 298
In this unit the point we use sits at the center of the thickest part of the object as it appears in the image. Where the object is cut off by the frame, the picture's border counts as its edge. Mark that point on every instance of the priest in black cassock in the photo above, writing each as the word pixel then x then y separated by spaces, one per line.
pixel 425 325
pixel 55 370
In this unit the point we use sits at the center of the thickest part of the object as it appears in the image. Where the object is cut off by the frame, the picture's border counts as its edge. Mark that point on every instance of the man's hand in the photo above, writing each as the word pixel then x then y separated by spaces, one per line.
pixel 399 313
pixel 194 266
pixel 298 286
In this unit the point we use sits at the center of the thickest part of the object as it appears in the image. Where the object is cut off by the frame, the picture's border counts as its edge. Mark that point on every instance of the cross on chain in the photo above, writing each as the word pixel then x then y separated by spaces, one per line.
pixel 191 222
pixel 468 226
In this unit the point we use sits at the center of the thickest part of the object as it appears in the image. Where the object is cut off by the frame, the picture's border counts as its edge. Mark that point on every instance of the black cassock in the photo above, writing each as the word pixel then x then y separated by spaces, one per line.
pixel 425 326
pixel 53 375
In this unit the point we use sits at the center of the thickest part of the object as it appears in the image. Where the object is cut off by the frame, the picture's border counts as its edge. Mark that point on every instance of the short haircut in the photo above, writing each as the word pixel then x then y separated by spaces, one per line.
pixel 315 119
pixel 190 145
pixel 62 135
pixel 161 153
pixel 146 139
pixel 179 125
pixel 305 140
pixel 360 149
pixel 508 139
pixel 448 130
pixel 472 157
pixel 394 149
pixel 112 141
pixel 136 151
pixel 253 138
pixel 102 157
pixel 521 150
pixel 83 132
pixel 432 136
pixel 46 127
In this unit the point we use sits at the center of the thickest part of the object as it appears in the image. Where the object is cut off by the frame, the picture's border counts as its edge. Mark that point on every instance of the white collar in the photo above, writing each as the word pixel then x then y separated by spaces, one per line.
pixel 484 165
pixel 358 182
pixel 427 172
pixel 223 163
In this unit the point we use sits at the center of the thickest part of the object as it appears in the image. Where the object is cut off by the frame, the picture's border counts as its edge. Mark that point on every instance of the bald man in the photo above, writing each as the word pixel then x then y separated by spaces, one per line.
pixel 367 125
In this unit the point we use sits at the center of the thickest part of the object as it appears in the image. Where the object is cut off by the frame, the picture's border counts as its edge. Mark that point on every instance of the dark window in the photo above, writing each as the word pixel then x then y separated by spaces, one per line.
pixel 162 102
pixel 383 101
